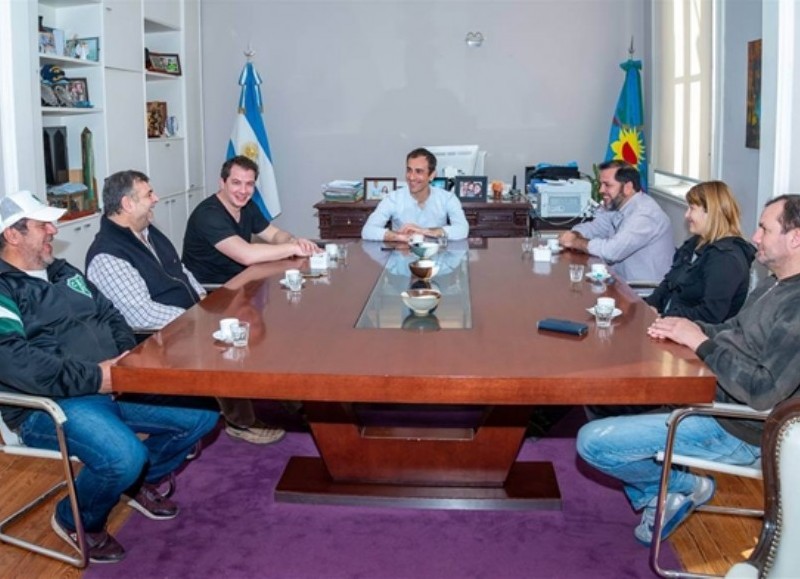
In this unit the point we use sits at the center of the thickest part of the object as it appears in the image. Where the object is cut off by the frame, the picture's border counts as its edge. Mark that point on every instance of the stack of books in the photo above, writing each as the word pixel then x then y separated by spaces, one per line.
pixel 343 191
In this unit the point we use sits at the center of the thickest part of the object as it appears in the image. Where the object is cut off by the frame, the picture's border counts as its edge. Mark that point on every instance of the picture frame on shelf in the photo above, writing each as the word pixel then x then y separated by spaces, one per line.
pixel 47 42
pixel 376 188
pixel 471 187
pixel 78 89
pixel 156 119
pixel 83 48
pixel 163 62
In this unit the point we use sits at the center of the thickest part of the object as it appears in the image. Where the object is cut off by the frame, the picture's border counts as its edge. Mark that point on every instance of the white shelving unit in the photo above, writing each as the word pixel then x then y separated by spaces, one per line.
pixel 119 89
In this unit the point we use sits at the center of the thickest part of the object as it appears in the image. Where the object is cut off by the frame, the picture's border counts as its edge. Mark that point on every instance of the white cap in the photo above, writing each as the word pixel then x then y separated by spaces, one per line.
pixel 24 205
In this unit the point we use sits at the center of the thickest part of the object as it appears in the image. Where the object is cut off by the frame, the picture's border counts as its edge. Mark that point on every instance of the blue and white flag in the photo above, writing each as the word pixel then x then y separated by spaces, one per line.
pixel 626 138
pixel 249 138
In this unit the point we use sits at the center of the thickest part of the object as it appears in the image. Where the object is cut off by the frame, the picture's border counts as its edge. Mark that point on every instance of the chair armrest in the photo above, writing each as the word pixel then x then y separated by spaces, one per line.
pixel 643 283
pixel 643 287
pixel 35 402
pixel 720 409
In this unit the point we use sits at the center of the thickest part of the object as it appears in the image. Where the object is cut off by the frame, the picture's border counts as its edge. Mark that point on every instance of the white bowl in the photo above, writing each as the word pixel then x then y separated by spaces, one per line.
pixel 421 301
pixel 425 249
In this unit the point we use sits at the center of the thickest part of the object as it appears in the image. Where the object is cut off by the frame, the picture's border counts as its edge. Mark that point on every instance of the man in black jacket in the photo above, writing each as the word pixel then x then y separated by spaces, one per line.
pixel 59 337
pixel 138 269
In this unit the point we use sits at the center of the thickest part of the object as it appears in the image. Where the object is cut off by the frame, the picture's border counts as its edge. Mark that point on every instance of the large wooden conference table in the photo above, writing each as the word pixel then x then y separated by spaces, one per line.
pixel 415 416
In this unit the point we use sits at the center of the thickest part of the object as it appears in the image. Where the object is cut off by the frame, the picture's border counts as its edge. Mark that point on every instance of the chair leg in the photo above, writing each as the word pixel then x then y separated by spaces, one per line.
pixel 82 559
pixel 658 524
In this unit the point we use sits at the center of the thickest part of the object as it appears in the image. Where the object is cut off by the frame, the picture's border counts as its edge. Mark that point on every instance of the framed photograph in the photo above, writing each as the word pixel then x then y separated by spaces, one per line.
pixel 163 62
pixel 378 187
pixel 752 132
pixel 78 90
pixel 47 43
pixel 471 188
pixel 156 119
pixel 83 48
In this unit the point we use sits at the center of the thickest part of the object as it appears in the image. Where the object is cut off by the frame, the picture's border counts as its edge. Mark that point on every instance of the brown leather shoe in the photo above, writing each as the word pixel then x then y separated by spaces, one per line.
pixel 103 547
pixel 152 504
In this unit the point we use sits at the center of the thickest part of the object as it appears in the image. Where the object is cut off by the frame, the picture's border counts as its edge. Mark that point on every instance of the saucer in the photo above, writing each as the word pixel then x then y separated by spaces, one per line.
pixel 617 312
pixel 220 337
pixel 285 284
pixel 592 277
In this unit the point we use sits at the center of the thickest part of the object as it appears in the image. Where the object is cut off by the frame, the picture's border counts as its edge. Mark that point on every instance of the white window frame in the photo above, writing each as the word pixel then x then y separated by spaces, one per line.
pixel 664 183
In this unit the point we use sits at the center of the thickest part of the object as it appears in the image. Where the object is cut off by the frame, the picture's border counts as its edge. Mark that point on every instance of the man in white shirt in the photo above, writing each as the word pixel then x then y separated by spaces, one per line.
pixel 630 232
pixel 138 269
pixel 418 207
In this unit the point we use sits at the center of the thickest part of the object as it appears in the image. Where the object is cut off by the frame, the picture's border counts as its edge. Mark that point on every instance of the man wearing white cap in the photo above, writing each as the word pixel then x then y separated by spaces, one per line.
pixel 59 337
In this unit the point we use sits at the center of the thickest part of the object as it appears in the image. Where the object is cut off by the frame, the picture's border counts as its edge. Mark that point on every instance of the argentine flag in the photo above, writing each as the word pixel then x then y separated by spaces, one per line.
pixel 626 138
pixel 249 138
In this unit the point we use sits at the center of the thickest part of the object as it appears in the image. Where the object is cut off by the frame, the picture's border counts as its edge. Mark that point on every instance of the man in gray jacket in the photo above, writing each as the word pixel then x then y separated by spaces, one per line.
pixel 756 358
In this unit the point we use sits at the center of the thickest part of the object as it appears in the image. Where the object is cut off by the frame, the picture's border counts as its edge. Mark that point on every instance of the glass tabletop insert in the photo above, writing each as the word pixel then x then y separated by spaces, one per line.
pixel 385 308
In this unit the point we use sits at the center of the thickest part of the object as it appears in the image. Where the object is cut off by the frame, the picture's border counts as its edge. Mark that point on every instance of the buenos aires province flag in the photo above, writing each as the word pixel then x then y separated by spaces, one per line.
pixel 626 138
pixel 249 138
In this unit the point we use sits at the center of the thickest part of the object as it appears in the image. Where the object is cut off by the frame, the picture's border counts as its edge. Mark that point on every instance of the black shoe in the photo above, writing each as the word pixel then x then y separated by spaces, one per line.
pixel 152 504
pixel 103 547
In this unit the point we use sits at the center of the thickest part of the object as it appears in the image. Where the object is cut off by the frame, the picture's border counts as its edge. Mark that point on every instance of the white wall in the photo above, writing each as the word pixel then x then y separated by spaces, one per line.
pixel 351 86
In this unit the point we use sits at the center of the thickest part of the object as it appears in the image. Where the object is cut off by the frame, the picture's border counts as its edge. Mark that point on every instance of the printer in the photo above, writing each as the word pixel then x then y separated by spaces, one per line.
pixel 562 197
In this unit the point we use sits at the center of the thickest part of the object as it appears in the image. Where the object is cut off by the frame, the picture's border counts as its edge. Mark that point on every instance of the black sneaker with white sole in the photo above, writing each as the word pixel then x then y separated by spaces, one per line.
pixel 152 504
pixel 103 547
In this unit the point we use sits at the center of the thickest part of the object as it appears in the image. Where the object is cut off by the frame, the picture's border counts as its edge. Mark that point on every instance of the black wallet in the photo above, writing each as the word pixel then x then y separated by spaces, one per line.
pixel 563 326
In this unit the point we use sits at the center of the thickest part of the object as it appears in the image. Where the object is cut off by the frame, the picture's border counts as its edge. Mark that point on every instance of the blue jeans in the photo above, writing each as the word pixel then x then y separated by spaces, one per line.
pixel 624 447
pixel 101 432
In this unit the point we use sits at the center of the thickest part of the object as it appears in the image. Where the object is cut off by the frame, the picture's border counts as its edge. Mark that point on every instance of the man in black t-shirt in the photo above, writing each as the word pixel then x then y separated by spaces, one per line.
pixel 217 244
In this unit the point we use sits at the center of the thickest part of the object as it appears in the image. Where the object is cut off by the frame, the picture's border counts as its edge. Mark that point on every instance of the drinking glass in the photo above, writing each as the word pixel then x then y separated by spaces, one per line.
pixel 294 279
pixel 603 314
pixel 241 334
pixel 527 245
pixel 575 272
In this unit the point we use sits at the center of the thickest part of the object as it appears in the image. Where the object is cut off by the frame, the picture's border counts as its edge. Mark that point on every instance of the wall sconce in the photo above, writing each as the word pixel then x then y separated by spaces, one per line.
pixel 474 39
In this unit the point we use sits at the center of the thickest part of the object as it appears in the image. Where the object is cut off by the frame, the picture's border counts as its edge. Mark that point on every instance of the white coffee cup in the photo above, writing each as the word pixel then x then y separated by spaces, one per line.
pixel 332 250
pixel 599 269
pixel 417 238
pixel 553 244
pixel 604 312
pixel 225 325
pixel 606 304
pixel 293 276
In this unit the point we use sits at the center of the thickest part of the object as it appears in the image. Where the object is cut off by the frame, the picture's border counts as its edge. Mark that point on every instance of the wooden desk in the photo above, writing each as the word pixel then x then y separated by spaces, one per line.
pixel 311 351
pixel 486 219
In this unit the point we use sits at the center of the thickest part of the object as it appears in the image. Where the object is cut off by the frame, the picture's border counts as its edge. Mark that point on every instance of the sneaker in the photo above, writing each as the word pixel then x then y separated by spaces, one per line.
pixel 103 548
pixel 676 509
pixel 259 433
pixel 152 504
pixel 195 452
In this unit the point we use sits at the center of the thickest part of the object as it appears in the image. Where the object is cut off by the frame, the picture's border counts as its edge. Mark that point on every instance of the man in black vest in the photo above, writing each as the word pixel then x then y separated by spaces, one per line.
pixel 138 269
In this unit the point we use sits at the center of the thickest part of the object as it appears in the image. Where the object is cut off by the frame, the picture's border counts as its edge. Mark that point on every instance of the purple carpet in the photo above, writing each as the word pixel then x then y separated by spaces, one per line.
pixel 229 527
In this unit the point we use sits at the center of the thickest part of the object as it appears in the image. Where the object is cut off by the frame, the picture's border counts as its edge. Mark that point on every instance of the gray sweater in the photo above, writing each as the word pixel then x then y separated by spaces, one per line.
pixel 756 354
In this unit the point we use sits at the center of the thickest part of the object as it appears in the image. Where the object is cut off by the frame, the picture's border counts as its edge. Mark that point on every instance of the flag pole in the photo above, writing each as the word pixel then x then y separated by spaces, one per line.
pixel 631 51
